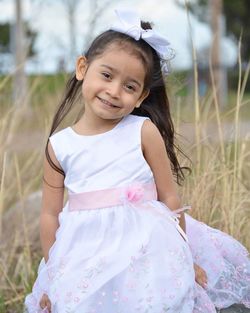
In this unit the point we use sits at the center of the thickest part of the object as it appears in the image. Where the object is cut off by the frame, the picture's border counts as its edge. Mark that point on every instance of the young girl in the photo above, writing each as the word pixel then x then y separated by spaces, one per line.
pixel 118 245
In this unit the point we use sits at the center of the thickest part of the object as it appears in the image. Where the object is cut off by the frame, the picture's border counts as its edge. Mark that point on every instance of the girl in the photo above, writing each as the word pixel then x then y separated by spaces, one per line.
pixel 117 244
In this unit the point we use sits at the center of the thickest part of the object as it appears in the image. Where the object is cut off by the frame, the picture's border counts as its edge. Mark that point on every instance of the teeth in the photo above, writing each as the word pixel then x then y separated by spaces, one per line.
pixel 108 103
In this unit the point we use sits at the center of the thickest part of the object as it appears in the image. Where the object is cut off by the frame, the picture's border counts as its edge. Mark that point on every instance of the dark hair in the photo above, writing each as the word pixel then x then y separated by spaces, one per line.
pixel 155 106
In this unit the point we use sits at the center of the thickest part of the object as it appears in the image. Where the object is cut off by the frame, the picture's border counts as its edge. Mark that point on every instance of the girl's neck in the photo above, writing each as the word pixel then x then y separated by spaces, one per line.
pixel 89 125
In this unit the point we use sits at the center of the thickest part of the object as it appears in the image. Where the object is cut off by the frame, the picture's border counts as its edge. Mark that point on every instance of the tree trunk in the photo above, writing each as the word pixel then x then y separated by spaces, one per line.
pixel 19 76
pixel 217 68
pixel 71 10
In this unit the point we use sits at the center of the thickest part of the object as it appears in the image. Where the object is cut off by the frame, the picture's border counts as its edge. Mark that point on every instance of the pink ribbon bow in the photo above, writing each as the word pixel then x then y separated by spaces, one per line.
pixel 134 193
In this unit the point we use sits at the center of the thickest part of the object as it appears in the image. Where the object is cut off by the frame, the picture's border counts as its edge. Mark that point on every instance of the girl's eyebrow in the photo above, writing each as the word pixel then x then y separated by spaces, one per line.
pixel 115 71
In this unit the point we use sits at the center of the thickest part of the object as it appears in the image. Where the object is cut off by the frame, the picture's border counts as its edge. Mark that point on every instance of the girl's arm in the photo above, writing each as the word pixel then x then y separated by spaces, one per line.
pixel 154 151
pixel 52 203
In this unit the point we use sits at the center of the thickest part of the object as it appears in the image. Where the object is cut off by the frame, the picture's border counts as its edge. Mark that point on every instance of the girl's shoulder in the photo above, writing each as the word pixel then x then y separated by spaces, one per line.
pixel 60 134
pixel 60 140
pixel 62 144
pixel 135 119
pixel 67 136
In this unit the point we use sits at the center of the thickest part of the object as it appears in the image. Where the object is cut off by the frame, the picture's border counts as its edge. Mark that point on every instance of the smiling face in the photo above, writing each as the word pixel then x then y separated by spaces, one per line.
pixel 113 83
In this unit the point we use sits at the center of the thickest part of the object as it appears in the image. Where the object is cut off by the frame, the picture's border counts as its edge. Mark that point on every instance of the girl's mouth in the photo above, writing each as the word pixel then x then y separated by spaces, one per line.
pixel 108 103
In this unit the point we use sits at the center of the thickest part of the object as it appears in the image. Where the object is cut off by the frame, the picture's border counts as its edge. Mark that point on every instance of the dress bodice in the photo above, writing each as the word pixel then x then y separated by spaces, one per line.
pixel 106 160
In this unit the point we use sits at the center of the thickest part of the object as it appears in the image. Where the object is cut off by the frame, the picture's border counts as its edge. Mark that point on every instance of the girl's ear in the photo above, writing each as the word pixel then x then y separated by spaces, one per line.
pixel 81 67
pixel 141 99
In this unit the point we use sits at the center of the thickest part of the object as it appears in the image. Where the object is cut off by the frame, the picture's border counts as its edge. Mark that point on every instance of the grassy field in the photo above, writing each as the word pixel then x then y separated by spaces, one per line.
pixel 217 189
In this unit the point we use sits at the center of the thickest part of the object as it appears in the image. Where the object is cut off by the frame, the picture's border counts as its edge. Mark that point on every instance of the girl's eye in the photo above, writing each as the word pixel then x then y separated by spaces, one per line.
pixel 130 87
pixel 106 75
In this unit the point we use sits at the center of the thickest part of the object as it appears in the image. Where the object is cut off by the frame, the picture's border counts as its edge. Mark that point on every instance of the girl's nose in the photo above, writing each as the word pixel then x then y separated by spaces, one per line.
pixel 114 90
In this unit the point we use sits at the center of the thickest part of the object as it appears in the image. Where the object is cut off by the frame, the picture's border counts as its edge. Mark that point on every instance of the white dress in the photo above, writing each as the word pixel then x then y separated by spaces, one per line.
pixel 129 257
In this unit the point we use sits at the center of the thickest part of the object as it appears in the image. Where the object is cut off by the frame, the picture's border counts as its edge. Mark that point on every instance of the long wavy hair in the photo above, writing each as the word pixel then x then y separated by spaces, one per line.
pixel 155 106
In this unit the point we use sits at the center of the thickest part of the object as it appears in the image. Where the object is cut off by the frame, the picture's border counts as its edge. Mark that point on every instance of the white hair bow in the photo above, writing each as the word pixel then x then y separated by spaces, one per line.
pixel 129 23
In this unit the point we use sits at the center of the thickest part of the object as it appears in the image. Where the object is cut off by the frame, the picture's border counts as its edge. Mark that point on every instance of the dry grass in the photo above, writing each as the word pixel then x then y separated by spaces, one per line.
pixel 23 131
pixel 218 188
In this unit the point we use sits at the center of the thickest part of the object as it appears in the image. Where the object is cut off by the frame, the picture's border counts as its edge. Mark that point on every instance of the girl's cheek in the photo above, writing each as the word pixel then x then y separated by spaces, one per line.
pixel 84 88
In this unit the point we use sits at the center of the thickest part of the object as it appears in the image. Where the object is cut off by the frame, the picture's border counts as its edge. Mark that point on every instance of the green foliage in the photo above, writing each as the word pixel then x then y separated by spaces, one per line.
pixel 237 19
pixel 237 15
pixel 31 35
pixel 48 84
pixel 42 86
pixel 5 38
pixel 2 305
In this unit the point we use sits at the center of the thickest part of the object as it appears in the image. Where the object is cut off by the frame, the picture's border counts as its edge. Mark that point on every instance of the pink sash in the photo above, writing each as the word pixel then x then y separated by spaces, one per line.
pixel 132 194
pixel 135 193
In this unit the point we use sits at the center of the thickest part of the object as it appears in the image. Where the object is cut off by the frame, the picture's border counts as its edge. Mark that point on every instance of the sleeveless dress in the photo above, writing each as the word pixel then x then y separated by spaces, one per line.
pixel 120 250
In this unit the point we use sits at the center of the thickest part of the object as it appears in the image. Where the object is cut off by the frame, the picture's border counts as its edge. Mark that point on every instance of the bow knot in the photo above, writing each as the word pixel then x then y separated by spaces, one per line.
pixel 135 32
pixel 129 23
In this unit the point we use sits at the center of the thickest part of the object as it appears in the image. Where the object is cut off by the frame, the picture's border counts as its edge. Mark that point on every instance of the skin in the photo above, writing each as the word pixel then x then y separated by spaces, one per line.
pixel 113 85
pixel 111 89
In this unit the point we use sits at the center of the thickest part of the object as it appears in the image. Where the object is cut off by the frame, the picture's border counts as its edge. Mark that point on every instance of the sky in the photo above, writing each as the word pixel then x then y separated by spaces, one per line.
pixel 49 19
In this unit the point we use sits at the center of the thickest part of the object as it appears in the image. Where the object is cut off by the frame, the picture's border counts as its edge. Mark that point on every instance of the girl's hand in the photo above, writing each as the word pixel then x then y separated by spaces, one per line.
pixel 200 276
pixel 45 303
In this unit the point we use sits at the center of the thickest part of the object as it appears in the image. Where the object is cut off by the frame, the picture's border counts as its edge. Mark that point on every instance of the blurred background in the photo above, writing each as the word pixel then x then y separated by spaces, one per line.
pixel 209 91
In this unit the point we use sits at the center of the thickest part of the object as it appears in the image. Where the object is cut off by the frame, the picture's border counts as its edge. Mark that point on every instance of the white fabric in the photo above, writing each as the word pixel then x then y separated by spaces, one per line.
pixel 131 257
pixel 125 258
pixel 111 159
pixel 129 23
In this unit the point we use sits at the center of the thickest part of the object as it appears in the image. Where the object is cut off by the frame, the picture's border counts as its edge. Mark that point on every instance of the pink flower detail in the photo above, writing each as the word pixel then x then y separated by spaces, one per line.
pixel 131 285
pixel 134 193
pixel 69 294
pixel 115 293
